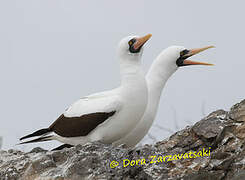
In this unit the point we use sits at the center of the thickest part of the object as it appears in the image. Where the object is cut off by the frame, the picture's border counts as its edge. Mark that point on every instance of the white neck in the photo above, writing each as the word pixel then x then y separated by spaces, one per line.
pixel 156 78
pixel 160 71
pixel 130 70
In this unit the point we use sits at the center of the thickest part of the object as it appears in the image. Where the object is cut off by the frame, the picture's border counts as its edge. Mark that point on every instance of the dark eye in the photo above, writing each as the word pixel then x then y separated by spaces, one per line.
pixel 131 42
pixel 131 46
pixel 182 53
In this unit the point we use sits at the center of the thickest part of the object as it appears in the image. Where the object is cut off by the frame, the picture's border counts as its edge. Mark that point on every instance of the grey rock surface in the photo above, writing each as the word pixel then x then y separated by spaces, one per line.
pixel 213 148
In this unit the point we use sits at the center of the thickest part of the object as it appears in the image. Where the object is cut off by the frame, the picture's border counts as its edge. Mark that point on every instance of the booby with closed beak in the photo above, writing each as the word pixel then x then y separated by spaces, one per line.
pixel 106 116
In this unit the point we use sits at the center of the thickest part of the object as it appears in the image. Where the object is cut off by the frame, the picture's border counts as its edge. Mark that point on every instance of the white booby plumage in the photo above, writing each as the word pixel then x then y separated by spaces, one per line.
pixel 109 115
pixel 161 69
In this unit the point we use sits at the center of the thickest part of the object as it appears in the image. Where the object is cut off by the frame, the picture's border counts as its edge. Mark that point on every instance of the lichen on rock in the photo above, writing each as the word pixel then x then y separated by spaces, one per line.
pixel 221 133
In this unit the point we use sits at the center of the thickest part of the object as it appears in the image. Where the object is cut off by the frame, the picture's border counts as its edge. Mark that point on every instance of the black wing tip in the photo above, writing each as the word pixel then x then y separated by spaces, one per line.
pixel 112 113
pixel 40 139
pixel 37 133
pixel 62 147
pixel 24 137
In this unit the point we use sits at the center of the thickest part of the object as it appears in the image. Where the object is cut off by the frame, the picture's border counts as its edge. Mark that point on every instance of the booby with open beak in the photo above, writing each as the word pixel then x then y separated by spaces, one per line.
pixel 105 116
pixel 167 62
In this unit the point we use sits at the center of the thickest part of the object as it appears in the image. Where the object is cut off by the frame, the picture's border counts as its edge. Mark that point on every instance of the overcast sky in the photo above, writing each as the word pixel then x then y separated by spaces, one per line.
pixel 54 52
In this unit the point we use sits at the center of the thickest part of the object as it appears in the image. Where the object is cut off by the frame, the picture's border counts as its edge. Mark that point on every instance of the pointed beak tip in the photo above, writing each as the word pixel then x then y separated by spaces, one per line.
pixel 208 64
pixel 142 40
pixel 148 36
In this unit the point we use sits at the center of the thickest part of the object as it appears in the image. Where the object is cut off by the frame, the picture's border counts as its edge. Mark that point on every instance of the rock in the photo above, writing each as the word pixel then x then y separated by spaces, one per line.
pixel 213 148
pixel 237 111
pixel 37 150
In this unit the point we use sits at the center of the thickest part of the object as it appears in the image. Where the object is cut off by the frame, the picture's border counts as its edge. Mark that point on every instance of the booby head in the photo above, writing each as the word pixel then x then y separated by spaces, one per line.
pixel 177 56
pixel 184 54
pixel 132 46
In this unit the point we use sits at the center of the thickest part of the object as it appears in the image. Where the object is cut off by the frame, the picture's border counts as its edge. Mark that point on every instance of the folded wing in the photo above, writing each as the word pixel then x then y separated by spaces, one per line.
pixel 83 116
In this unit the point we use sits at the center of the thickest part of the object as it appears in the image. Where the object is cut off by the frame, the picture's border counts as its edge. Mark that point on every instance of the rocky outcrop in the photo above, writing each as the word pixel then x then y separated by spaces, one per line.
pixel 213 148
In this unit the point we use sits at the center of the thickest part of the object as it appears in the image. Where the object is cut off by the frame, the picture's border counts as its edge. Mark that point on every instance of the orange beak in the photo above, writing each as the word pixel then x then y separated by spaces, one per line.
pixel 141 41
pixel 193 52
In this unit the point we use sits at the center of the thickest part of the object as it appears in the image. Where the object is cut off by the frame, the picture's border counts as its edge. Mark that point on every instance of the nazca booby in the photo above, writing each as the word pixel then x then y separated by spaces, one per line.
pixel 166 63
pixel 106 116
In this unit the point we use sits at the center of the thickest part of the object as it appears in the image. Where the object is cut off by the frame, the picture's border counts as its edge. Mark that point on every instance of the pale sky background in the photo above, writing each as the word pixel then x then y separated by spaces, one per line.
pixel 54 52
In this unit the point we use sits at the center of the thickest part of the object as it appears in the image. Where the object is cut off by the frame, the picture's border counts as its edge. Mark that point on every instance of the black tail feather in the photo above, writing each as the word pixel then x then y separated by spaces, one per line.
pixel 62 147
pixel 41 139
pixel 37 133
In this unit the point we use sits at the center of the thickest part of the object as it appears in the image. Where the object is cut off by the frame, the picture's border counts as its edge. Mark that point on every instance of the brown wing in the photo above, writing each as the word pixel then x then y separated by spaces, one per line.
pixel 79 126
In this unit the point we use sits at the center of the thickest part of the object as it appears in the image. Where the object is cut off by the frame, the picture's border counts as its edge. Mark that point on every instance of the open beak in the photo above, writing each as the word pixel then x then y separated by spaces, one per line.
pixel 192 52
pixel 141 41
